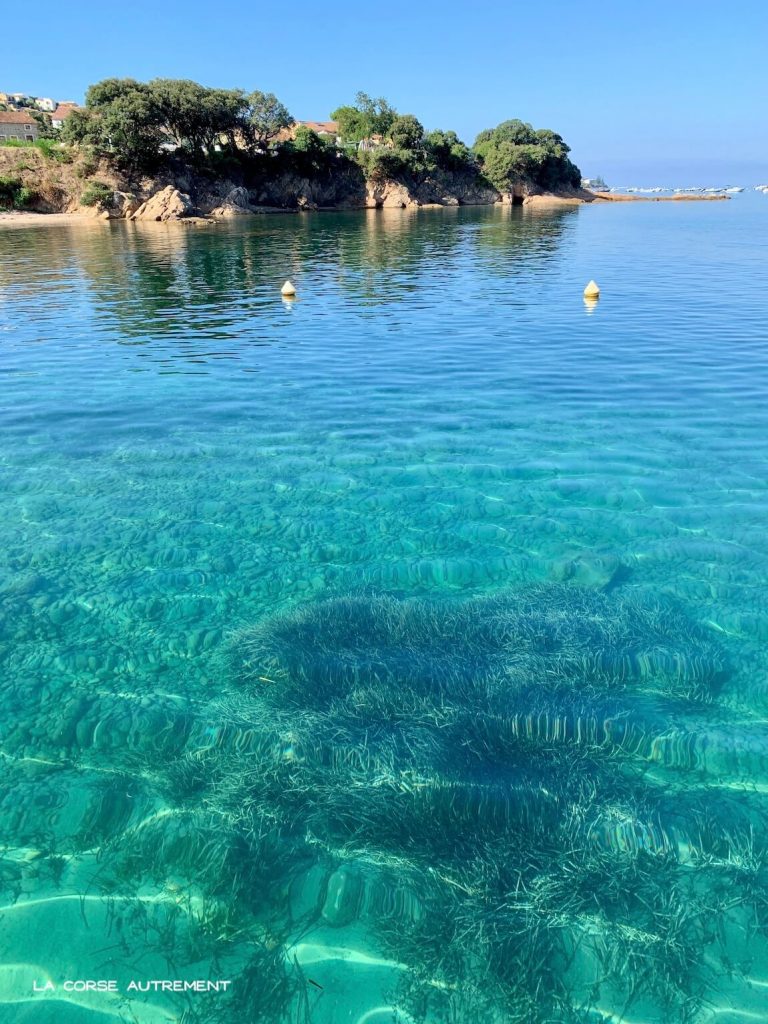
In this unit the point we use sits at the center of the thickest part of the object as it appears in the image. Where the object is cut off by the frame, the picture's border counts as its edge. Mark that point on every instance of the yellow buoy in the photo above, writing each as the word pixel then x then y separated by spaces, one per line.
pixel 287 289
pixel 591 291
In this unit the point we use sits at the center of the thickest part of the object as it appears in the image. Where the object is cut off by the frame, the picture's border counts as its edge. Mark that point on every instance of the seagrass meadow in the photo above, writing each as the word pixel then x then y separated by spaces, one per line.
pixel 396 653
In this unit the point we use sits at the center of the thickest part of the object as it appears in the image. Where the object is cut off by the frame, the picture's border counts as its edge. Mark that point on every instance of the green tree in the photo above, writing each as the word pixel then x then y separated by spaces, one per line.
pixel 45 129
pixel 194 116
pixel 266 116
pixel 110 89
pixel 448 151
pixel 380 113
pixel 519 133
pixel 406 132
pixel 122 120
pixel 365 118
pixel 308 141
pixel 514 153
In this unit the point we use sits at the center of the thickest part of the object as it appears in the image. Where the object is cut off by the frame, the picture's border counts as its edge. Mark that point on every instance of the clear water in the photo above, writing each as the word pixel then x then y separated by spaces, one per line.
pixel 398 652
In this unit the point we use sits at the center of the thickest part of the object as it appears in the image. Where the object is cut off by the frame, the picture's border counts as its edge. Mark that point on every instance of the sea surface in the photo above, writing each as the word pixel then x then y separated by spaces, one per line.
pixel 394 653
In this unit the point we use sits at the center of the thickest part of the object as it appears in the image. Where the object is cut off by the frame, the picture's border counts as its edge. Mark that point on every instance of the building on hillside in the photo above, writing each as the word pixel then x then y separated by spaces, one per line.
pixel 373 142
pixel 19 99
pixel 18 125
pixel 328 130
pixel 46 104
pixel 61 113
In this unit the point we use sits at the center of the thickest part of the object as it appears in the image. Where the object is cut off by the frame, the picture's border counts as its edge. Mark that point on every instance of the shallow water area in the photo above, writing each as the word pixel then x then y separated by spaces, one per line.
pixel 396 652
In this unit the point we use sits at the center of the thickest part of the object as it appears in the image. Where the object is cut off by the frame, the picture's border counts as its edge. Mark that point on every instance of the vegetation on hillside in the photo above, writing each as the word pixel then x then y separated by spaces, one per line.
pixel 14 194
pixel 138 126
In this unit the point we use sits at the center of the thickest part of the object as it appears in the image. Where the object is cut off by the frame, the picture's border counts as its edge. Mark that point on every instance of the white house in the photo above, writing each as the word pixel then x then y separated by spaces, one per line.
pixel 61 113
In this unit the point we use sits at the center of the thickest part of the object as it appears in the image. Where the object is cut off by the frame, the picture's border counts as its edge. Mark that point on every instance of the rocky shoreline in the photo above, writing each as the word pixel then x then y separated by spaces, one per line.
pixel 189 197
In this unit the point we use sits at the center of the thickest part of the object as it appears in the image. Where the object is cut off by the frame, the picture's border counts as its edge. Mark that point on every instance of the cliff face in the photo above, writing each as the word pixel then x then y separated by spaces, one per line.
pixel 443 189
pixel 182 192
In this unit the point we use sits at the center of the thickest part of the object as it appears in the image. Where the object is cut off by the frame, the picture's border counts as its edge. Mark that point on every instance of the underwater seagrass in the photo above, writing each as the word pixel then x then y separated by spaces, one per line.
pixel 475 781
pixel 478 797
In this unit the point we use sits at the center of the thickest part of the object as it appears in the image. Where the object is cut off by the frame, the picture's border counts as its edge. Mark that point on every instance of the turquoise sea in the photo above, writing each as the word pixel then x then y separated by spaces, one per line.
pixel 396 653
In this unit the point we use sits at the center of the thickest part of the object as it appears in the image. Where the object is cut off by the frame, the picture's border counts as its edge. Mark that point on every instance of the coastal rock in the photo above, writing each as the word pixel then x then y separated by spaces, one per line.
pixel 292 191
pixel 389 195
pixel 168 204
pixel 237 202
pixel 125 204
pixel 444 189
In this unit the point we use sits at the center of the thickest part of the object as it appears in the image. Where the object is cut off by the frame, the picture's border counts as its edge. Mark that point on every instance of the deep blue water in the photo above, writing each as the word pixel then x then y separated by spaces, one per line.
pixel 396 652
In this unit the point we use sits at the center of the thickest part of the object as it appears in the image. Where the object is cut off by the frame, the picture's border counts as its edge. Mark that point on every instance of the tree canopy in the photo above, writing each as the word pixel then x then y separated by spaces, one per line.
pixel 131 120
pixel 448 151
pixel 406 132
pixel 515 152
pixel 266 117
pixel 365 118
pixel 132 123
pixel 122 118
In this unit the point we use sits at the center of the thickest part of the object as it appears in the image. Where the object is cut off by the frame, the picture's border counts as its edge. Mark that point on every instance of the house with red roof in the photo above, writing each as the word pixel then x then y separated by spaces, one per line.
pixel 61 113
pixel 18 124
pixel 327 129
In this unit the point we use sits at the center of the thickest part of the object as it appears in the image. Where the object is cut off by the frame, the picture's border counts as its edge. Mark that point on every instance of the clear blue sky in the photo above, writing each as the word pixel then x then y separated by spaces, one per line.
pixel 661 88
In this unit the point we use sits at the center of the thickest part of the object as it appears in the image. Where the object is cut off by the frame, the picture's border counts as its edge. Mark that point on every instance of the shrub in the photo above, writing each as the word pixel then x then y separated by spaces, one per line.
pixel 96 193
pixel 87 166
pixel 52 150
pixel 14 194
pixel 385 164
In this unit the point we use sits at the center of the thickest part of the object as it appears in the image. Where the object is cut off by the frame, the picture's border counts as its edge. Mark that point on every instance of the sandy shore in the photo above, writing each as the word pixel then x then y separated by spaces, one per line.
pixel 17 218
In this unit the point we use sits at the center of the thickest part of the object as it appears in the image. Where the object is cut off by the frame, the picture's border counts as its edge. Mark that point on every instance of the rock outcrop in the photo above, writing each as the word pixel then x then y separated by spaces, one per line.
pixel 389 195
pixel 345 190
pixel 168 204
pixel 439 190
pixel 125 204
pixel 237 203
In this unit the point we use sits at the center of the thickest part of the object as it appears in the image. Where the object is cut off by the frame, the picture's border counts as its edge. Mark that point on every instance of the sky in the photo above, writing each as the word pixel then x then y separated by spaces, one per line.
pixel 676 92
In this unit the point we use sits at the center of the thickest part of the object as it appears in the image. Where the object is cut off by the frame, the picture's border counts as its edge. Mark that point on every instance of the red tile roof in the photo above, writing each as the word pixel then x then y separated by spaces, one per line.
pixel 16 117
pixel 331 127
pixel 62 112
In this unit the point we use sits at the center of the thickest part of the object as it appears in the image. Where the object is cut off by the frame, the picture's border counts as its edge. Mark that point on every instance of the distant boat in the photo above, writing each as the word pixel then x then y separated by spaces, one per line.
pixel 734 188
